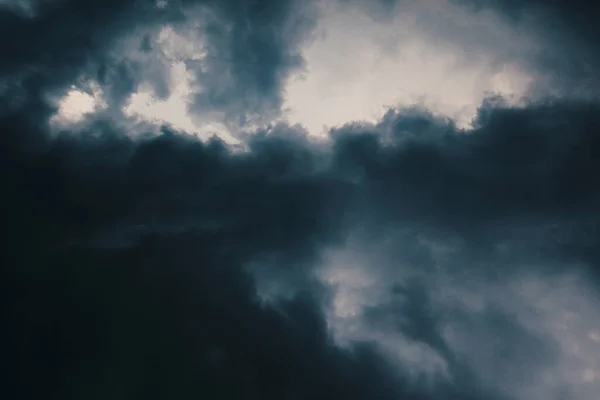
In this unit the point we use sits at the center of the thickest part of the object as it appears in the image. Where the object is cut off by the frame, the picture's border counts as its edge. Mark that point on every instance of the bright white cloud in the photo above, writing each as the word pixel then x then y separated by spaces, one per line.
pixel 77 104
pixel 357 65
pixel 173 110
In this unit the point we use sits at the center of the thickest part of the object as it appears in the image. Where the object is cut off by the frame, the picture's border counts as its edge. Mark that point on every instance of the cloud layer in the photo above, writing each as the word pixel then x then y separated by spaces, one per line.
pixel 401 255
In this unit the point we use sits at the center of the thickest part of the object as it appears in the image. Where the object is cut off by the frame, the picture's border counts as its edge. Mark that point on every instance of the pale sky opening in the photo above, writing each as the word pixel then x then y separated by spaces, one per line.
pixel 77 104
pixel 357 66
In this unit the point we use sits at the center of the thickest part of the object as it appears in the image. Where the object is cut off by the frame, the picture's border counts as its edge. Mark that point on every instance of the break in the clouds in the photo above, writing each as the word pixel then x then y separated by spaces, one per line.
pixel 300 199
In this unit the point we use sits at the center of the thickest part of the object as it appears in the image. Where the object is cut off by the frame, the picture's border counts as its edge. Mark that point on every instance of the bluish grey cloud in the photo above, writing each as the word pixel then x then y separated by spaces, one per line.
pixel 403 257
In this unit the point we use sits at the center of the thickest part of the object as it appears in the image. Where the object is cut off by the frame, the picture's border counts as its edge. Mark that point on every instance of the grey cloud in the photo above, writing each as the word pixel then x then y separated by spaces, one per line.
pixel 251 50
pixel 133 266
pixel 569 33
pixel 252 46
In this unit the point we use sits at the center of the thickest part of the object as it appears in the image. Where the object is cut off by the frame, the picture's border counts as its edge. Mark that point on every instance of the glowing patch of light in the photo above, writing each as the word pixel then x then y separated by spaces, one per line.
pixel 355 289
pixel 356 67
pixel 77 104
pixel 172 110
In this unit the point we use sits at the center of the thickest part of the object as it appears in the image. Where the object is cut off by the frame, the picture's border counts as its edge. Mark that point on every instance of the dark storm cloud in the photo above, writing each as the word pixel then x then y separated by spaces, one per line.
pixel 123 256
pixel 103 298
pixel 515 162
pixel 127 264
pixel 62 37
pixel 577 16
pixel 251 45
pixel 569 32
pixel 169 317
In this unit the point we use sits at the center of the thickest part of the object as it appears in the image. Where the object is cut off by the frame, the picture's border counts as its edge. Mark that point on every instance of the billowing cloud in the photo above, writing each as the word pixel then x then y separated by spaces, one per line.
pixel 569 34
pixel 442 247
pixel 360 62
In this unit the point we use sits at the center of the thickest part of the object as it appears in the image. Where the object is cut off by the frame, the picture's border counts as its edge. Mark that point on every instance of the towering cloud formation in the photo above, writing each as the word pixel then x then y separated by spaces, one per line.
pixel 410 256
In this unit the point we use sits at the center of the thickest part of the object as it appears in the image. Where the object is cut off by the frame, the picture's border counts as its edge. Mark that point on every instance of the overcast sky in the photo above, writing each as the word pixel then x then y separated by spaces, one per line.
pixel 300 199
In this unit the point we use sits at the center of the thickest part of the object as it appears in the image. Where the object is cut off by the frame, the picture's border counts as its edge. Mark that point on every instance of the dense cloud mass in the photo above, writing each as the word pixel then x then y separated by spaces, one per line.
pixel 409 257
pixel 570 31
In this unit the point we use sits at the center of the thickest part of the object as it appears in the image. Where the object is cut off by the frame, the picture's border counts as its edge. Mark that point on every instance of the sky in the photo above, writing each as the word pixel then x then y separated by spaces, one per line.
pixel 300 199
